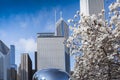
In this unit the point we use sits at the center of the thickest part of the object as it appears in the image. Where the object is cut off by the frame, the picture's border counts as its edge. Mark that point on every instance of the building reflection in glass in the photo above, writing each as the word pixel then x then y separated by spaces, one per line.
pixel 51 74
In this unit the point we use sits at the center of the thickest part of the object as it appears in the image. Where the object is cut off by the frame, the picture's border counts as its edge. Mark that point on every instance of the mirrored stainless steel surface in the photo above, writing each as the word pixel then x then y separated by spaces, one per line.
pixel 51 74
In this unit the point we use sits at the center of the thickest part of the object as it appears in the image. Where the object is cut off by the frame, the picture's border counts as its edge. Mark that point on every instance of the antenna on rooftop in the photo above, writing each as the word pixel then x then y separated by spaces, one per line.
pixel 55 22
pixel 55 16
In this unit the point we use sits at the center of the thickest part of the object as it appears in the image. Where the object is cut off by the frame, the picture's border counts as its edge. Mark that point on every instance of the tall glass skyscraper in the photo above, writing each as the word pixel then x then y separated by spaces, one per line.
pixel 13 66
pixel 12 54
pixel 4 62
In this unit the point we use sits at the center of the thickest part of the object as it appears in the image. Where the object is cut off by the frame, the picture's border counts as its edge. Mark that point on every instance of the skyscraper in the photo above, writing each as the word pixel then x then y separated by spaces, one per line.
pixel 25 67
pixel 35 54
pixel 62 28
pixel 50 51
pixel 13 66
pixel 12 55
pixel 4 62
pixel 89 7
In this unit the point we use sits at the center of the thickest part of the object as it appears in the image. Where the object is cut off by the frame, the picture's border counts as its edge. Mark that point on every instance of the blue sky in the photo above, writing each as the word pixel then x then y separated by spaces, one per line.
pixel 21 20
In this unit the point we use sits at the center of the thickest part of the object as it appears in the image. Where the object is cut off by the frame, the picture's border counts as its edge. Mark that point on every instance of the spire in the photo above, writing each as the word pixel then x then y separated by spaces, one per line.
pixel 55 22
pixel 55 16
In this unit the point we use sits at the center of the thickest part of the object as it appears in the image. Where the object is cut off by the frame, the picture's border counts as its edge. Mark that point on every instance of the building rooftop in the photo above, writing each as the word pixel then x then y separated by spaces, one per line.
pixel 3 48
pixel 60 21
pixel 45 35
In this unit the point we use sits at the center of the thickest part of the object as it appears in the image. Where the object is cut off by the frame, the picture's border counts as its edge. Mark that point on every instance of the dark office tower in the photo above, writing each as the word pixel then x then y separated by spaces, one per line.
pixel 36 61
pixel 13 66
pixel 13 73
pixel 26 67
pixel 62 28
pixel 4 62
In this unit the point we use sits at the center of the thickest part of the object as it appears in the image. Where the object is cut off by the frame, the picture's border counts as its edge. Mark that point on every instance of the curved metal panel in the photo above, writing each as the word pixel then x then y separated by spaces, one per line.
pixel 51 74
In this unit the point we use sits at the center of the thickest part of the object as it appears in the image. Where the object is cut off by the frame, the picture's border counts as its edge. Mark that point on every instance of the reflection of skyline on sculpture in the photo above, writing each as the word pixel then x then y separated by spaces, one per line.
pixel 51 74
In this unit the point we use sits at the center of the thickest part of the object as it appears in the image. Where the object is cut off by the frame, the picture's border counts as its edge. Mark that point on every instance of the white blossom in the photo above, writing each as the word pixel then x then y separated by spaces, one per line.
pixel 70 20
pixel 99 42
pixel 75 16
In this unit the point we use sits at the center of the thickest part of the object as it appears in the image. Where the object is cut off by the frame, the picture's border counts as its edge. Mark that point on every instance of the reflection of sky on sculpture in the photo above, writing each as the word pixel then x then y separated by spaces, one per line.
pixel 20 20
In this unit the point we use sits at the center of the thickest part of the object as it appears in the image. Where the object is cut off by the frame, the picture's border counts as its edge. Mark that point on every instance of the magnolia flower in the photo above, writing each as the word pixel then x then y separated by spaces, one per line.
pixel 113 19
pixel 78 12
pixel 98 40
pixel 111 7
pixel 116 46
pixel 103 29
pixel 110 57
pixel 70 21
pixel 103 10
pixel 75 16
pixel 94 17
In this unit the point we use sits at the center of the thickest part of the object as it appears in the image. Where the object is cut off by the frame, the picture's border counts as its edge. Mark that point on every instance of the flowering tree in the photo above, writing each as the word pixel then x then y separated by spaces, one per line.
pixel 96 44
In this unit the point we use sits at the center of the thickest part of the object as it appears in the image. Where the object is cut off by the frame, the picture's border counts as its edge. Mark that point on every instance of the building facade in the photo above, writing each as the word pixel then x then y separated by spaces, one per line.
pixel 51 52
pixel 25 67
pixel 4 62
pixel 89 7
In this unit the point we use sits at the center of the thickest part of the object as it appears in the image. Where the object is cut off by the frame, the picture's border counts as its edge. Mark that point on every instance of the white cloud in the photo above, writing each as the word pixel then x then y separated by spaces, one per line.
pixel 26 45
